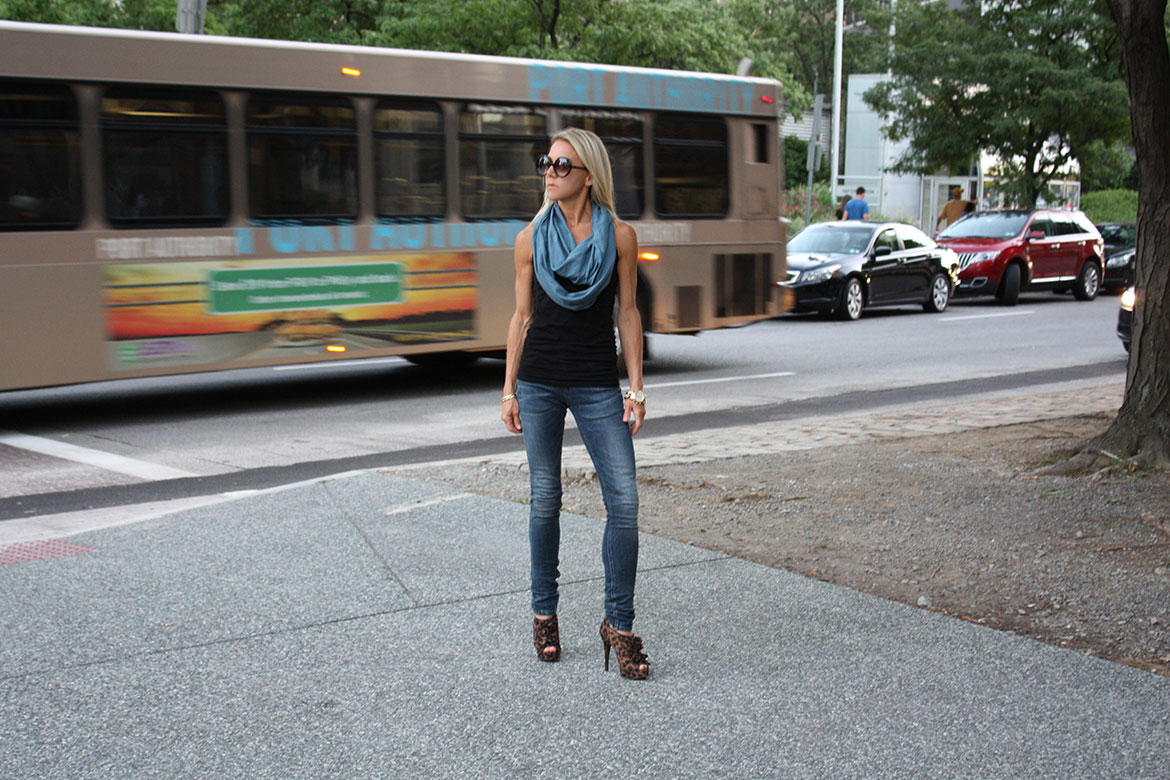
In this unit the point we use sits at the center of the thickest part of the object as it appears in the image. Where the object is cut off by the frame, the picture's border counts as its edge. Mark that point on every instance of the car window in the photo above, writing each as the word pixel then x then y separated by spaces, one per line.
pixel 831 239
pixel 1121 235
pixel 887 238
pixel 1066 226
pixel 991 224
pixel 1043 224
pixel 913 239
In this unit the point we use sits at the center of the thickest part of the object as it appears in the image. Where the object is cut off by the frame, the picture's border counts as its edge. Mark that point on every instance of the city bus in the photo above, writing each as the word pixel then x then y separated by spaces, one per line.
pixel 180 203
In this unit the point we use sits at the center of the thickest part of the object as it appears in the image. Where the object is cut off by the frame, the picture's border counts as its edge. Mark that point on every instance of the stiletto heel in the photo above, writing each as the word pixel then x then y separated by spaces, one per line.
pixel 545 634
pixel 628 647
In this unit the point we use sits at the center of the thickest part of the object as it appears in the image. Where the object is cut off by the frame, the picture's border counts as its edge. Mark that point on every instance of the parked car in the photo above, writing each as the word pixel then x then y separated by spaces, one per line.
pixel 845 267
pixel 1125 317
pixel 1118 236
pixel 1002 253
pixel 1119 270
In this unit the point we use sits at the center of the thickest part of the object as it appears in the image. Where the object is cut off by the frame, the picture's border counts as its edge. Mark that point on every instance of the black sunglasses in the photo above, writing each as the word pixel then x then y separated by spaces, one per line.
pixel 561 166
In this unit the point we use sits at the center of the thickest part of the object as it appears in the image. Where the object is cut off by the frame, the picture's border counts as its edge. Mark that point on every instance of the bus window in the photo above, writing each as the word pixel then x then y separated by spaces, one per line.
pixel 498 146
pixel 690 166
pixel 164 157
pixel 41 185
pixel 622 135
pixel 408 152
pixel 302 159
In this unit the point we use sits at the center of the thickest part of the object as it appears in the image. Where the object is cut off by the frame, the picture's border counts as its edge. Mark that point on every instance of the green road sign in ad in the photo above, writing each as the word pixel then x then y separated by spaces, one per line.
pixel 241 290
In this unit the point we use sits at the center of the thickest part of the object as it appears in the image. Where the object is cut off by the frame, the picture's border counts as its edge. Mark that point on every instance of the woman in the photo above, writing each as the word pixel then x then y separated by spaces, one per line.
pixel 572 262
pixel 841 207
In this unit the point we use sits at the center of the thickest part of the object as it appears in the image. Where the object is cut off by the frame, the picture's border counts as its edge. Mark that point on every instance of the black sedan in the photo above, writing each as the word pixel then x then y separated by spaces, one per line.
pixel 1119 270
pixel 1125 317
pixel 844 267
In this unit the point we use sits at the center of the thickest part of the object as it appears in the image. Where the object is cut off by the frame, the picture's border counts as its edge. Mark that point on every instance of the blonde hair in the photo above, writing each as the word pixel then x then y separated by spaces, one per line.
pixel 596 161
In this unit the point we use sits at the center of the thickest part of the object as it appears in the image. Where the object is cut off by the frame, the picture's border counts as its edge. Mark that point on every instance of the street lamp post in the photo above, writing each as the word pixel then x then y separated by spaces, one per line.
pixel 835 152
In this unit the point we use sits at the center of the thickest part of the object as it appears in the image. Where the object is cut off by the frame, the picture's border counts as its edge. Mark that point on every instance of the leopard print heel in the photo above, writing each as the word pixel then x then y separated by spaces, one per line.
pixel 546 634
pixel 628 647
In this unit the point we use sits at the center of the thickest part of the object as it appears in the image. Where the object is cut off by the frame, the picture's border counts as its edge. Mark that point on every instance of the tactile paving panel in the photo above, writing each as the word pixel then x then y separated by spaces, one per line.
pixel 23 552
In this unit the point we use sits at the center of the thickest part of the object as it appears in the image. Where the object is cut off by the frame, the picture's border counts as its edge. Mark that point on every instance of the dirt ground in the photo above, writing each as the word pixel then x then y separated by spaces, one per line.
pixel 962 525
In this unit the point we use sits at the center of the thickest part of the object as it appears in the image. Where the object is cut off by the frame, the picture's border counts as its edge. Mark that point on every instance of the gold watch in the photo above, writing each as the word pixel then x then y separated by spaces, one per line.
pixel 637 396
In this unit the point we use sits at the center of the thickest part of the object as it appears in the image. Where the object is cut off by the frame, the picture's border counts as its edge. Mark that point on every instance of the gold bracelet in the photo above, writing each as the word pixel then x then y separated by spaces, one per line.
pixel 508 397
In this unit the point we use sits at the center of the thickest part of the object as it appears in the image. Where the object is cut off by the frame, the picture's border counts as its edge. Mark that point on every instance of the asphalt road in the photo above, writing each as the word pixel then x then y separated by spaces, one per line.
pixel 124 442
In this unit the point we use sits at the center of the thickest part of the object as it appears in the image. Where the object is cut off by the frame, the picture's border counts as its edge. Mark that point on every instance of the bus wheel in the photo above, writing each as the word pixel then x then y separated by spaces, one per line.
pixel 442 359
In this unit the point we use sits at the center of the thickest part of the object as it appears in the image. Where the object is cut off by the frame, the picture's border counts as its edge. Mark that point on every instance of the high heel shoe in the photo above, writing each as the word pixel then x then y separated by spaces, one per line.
pixel 628 647
pixel 546 634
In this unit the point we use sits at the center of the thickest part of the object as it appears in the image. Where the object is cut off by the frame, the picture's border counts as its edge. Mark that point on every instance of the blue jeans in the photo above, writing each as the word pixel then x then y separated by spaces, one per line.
pixel 598 413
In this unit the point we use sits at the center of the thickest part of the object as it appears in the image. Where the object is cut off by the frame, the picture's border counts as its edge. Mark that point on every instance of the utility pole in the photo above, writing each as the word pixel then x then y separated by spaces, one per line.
pixel 189 16
pixel 835 152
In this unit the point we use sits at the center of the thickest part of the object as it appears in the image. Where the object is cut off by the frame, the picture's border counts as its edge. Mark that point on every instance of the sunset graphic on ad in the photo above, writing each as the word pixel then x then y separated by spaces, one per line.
pixel 185 313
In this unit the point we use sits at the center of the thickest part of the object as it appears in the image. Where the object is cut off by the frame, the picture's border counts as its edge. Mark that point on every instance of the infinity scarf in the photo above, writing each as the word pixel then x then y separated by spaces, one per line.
pixel 587 265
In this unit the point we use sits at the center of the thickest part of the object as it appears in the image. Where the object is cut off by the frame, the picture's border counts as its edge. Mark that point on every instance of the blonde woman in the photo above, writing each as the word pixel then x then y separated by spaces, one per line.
pixel 573 262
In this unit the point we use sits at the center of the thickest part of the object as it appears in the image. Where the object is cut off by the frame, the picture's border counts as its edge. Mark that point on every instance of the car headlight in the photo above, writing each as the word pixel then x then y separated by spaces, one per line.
pixel 1119 260
pixel 980 257
pixel 822 274
pixel 1128 299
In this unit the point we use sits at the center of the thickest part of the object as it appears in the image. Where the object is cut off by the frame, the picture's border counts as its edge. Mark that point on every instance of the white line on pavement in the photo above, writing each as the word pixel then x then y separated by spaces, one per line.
pixel 410 507
pixel 986 316
pixel 33 529
pixel 104 460
pixel 719 379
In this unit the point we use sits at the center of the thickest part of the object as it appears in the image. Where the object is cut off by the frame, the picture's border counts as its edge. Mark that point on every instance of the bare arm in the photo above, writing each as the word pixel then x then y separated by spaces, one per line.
pixel 629 321
pixel 518 328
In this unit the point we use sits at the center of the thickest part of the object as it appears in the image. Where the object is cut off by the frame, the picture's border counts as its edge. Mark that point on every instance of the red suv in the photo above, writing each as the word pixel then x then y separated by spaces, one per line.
pixel 1004 252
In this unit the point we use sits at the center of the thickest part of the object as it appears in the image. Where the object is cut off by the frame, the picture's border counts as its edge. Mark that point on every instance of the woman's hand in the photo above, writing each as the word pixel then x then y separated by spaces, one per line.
pixel 634 415
pixel 511 415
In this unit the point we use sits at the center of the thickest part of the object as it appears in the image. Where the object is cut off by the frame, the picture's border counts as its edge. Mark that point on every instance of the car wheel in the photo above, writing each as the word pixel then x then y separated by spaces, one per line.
pixel 940 294
pixel 851 301
pixel 1088 283
pixel 1009 289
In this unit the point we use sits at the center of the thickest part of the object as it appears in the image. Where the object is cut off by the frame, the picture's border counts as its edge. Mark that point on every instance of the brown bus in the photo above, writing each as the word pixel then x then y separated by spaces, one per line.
pixel 176 203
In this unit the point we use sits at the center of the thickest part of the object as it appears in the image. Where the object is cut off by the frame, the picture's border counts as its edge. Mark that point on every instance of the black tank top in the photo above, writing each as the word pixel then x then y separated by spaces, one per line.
pixel 569 348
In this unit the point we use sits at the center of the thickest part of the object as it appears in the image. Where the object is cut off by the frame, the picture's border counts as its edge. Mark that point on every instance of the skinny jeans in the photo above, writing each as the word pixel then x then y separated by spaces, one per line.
pixel 598 413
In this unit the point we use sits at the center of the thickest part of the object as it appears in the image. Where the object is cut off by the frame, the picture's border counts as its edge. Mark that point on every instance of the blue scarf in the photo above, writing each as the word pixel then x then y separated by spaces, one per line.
pixel 588 265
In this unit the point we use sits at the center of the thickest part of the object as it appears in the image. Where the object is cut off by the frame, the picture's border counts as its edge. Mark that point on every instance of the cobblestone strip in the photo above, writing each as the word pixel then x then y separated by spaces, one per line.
pixel 841 430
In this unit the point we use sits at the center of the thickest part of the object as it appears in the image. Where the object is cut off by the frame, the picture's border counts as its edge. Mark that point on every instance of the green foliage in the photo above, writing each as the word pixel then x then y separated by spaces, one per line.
pixel 1032 81
pixel 1104 166
pixel 1110 205
pixel 796 164
pixel 700 35
pixel 128 14
pixel 822 208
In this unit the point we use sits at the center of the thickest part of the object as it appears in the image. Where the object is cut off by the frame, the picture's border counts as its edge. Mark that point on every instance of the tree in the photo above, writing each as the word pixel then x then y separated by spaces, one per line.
pixel 1028 80
pixel 1141 430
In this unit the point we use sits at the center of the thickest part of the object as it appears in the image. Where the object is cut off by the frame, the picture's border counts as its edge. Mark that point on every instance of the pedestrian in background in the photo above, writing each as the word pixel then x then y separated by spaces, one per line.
pixel 841 206
pixel 572 262
pixel 952 210
pixel 857 208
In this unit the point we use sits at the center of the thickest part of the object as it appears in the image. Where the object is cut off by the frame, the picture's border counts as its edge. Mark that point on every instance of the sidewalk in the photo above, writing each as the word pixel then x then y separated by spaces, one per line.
pixel 374 626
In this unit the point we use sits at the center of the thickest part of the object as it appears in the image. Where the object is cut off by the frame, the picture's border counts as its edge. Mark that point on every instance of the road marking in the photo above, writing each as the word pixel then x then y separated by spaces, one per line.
pixel 104 460
pixel 31 529
pixel 657 385
pixel 986 316
pixel 335 363
pixel 420 504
